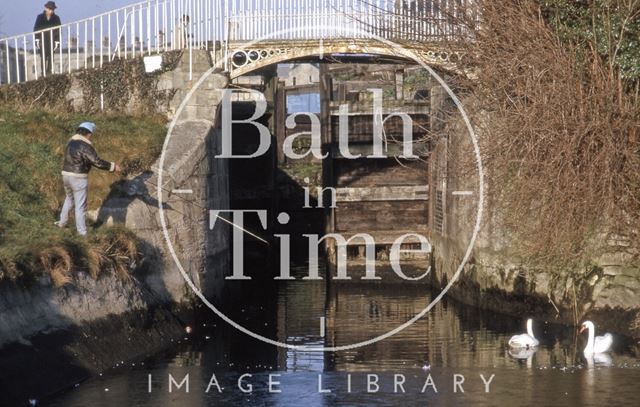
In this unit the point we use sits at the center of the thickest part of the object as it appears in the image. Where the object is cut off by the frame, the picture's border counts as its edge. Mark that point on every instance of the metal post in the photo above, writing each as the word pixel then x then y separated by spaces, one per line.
pixel 124 28
pixel 26 55
pixel 6 47
pixel 77 45
pixel 51 53
pixel 69 48
pixel 93 42
pixel 35 56
pixel 156 27
pixel 86 45
pixel 109 37
pixel 100 39
pixel 164 26
pixel 148 28
pixel 15 43
pixel 140 32
pixel 190 41
pixel 133 33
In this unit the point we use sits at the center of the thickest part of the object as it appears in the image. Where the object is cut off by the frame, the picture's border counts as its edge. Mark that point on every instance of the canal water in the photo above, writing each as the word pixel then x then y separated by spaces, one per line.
pixel 418 366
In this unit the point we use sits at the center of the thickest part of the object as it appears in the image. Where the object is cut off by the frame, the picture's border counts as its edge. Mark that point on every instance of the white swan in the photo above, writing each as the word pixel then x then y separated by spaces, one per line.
pixel 596 344
pixel 525 354
pixel 522 353
pixel 598 359
pixel 524 340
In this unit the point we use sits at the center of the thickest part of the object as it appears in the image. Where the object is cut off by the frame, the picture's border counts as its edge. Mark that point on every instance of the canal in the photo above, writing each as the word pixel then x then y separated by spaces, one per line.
pixel 451 343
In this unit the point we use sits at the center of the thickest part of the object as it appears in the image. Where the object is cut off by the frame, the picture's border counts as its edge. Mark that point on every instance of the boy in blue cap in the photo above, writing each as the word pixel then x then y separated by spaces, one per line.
pixel 79 157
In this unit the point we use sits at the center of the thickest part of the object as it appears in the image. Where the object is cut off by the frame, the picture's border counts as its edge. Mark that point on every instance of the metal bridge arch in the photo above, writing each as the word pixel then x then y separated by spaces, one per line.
pixel 246 58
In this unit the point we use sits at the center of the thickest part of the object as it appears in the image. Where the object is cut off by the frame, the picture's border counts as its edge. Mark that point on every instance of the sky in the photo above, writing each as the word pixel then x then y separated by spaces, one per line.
pixel 18 18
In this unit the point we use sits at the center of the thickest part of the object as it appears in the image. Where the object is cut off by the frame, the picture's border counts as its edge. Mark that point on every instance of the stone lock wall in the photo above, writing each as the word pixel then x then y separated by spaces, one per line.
pixel 189 165
pixel 607 292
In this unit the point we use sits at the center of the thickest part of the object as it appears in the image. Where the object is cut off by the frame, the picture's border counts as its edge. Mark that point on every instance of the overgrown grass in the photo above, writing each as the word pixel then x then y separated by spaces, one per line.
pixel 31 194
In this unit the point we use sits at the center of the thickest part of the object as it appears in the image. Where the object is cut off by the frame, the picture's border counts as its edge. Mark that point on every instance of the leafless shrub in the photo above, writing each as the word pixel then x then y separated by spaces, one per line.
pixel 559 137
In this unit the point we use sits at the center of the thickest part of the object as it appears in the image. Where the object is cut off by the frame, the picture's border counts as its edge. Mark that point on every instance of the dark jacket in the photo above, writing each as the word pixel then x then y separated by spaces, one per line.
pixel 80 156
pixel 42 24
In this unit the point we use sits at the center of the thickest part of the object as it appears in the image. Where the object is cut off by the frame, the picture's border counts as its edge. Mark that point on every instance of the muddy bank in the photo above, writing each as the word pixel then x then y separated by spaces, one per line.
pixel 56 360
pixel 53 338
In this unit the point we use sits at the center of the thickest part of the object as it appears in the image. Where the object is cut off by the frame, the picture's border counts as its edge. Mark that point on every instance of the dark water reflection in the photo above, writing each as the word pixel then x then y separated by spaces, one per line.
pixel 452 340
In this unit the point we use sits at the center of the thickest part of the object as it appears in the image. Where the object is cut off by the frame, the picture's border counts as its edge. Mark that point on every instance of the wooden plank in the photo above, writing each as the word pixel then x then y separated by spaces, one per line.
pixel 360 127
pixel 392 150
pixel 356 108
pixel 381 215
pixel 385 237
pixel 380 172
pixel 385 193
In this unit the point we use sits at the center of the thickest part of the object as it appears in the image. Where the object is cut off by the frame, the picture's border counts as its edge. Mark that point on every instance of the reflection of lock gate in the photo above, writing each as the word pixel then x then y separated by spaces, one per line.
pixel 157 26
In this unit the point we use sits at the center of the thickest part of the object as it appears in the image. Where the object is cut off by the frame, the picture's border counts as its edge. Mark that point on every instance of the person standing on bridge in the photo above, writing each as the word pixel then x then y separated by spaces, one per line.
pixel 79 157
pixel 48 41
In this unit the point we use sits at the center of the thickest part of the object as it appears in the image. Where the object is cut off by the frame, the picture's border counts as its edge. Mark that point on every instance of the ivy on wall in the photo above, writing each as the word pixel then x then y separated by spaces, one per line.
pixel 118 86
pixel 44 92
pixel 124 84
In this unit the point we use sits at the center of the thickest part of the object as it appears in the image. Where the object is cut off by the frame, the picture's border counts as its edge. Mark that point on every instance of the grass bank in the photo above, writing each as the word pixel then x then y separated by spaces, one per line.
pixel 31 193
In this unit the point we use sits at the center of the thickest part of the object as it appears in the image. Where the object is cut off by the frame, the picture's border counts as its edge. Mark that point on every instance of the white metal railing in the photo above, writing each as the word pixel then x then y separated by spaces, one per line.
pixel 154 26
pixel 419 20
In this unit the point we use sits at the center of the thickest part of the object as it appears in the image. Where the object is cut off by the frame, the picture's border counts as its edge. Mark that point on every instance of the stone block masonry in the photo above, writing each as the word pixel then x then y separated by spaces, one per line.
pixel 188 166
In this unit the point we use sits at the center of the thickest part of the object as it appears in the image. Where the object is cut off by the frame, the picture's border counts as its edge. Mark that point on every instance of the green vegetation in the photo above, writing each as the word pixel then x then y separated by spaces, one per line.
pixel 300 169
pixel 31 194
pixel 609 28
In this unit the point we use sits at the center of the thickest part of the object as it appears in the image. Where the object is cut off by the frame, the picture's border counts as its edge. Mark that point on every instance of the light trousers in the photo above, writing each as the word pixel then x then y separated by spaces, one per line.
pixel 75 189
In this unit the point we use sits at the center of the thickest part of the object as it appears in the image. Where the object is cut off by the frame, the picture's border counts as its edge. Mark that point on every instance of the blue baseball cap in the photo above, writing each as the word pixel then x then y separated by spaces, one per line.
pixel 91 127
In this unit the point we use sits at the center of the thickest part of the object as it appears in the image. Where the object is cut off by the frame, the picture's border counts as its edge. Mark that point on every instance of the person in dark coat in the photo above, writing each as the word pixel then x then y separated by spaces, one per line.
pixel 47 41
pixel 79 157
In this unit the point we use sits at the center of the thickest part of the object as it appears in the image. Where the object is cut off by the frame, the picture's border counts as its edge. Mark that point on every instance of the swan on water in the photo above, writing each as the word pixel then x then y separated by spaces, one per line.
pixel 596 344
pixel 522 353
pixel 598 359
pixel 524 340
